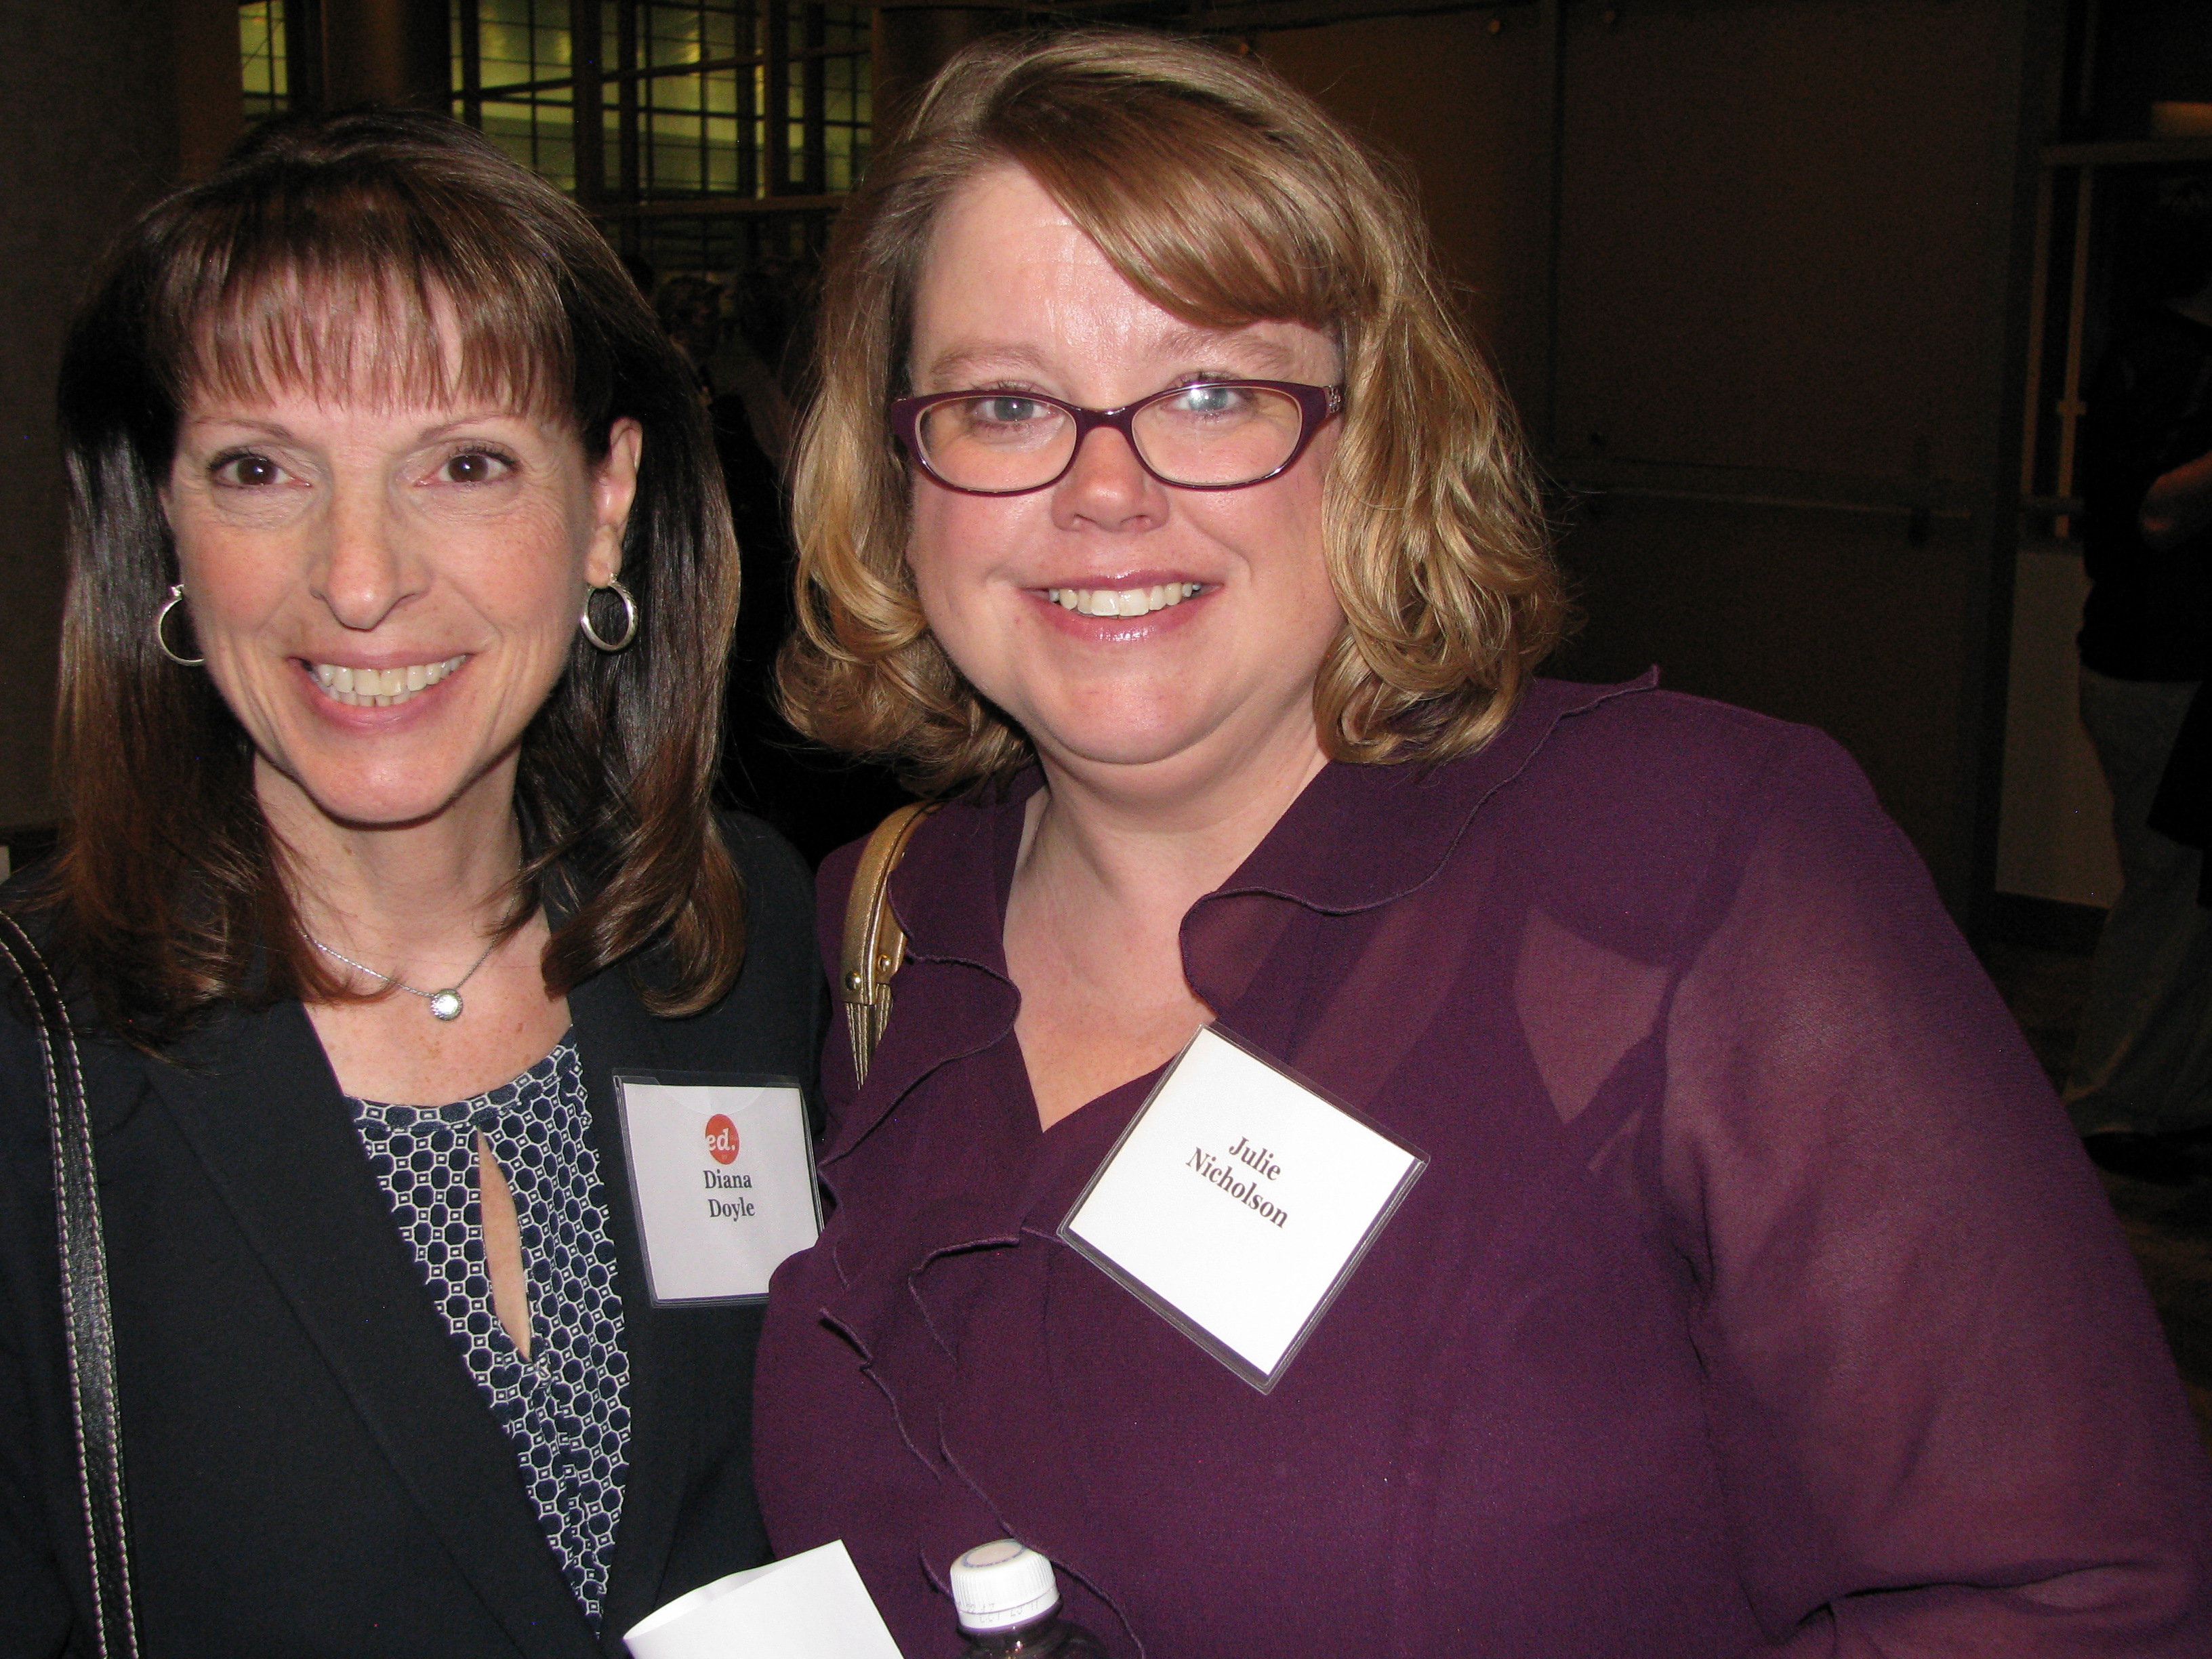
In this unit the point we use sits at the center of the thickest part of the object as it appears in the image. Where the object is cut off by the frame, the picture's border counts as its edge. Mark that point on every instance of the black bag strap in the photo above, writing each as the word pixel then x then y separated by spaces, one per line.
pixel 90 1332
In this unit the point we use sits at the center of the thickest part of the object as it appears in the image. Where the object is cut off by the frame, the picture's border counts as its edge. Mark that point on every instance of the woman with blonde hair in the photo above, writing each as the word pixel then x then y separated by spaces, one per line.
pixel 1371 1151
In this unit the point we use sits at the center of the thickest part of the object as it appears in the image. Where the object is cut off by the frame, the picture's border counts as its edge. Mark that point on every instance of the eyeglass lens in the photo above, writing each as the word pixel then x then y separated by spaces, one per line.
pixel 1201 434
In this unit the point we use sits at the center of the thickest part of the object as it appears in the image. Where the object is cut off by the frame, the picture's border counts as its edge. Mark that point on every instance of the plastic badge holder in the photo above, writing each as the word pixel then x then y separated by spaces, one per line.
pixel 721 1178
pixel 1247 1264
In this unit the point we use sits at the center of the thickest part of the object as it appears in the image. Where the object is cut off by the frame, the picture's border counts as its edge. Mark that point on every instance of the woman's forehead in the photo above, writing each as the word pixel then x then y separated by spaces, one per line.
pixel 364 345
pixel 1011 285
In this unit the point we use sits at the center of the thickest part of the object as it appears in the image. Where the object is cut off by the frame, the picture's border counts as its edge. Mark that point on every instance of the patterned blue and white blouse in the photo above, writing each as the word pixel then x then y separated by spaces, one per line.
pixel 566 1408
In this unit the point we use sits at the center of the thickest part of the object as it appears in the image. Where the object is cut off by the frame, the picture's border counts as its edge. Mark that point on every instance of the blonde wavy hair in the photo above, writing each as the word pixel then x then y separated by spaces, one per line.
pixel 1224 197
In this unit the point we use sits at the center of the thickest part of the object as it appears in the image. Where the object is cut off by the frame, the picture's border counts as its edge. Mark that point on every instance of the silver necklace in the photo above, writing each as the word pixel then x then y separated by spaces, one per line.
pixel 444 1005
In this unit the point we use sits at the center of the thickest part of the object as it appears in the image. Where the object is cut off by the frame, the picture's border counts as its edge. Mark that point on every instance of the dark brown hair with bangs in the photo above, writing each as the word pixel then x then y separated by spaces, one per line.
pixel 1224 197
pixel 324 257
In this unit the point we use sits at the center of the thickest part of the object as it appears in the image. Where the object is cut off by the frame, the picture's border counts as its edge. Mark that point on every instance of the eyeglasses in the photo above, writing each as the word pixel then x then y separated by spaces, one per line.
pixel 1212 435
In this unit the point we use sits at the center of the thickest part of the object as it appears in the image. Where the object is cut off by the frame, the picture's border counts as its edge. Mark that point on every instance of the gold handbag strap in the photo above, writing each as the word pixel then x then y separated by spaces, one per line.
pixel 875 944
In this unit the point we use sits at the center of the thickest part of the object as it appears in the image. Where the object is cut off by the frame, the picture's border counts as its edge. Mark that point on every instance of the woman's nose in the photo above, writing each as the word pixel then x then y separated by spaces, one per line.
pixel 365 571
pixel 1107 486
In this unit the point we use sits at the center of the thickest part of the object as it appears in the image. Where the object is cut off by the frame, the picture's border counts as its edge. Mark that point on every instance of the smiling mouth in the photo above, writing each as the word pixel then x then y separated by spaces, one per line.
pixel 380 688
pixel 1121 602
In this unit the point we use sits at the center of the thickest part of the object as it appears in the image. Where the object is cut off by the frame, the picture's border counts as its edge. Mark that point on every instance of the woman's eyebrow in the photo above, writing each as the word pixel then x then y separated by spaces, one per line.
pixel 1202 345
pixel 226 418
pixel 431 434
pixel 960 361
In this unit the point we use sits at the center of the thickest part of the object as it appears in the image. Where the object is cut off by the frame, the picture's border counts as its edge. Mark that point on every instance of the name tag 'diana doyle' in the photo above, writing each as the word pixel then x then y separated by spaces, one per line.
pixel 1237 1203
pixel 723 1175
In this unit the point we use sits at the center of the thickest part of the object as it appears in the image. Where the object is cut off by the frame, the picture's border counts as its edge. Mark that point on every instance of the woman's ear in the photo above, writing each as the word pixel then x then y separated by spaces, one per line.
pixel 614 488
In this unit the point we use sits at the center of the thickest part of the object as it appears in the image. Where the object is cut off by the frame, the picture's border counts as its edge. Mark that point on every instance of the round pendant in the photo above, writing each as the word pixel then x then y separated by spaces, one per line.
pixel 446 1005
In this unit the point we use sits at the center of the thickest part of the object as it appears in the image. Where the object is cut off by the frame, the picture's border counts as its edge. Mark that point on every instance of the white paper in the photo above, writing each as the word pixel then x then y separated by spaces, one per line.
pixel 1240 1198
pixel 723 1174
pixel 811 1607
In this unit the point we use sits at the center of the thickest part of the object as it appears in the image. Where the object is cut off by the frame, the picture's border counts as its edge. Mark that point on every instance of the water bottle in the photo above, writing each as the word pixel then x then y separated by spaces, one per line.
pixel 1010 1604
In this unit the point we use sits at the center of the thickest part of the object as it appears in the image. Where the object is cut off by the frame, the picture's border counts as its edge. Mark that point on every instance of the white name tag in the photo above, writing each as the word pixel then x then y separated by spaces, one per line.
pixel 723 1175
pixel 1237 1202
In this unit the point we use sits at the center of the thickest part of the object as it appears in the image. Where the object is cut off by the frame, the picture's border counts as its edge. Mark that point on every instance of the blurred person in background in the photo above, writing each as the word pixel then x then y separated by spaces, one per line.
pixel 2139 1090
pixel 816 799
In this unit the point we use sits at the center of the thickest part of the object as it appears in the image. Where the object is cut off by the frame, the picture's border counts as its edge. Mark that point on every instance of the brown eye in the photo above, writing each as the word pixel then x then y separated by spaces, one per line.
pixel 474 466
pixel 249 471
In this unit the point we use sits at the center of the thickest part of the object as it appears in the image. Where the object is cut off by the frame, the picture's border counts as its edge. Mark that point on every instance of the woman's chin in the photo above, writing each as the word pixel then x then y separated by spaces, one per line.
pixel 1166 731
pixel 353 802
pixel 1116 743
pixel 379 811
pixel 1166 754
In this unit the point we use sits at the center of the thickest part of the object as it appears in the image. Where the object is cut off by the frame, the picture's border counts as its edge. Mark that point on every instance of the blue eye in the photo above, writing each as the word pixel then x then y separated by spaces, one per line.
pixel 1204 400
pixel 1007 411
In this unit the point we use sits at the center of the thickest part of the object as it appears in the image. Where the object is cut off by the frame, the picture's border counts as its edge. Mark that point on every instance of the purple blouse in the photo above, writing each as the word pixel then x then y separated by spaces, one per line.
pixel 1757 1297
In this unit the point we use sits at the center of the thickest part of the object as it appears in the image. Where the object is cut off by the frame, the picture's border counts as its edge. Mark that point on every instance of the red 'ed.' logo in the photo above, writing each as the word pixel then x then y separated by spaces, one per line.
pixel 721 1140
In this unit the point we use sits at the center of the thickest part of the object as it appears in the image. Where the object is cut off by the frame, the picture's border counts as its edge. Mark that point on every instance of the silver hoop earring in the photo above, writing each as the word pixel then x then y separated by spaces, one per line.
pixel 630 618
pixel 161 629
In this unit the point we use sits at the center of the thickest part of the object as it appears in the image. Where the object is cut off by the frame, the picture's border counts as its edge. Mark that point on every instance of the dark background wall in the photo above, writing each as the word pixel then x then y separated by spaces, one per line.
pixel 89 126
pixel 1750 271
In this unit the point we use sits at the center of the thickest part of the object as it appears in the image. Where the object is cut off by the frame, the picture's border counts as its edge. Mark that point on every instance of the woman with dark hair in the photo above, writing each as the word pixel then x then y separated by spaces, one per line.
pixel 400 590
pixel 1372 1152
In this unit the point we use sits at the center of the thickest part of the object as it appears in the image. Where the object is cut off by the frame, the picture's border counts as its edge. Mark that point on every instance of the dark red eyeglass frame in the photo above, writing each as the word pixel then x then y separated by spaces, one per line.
pixel 1317 405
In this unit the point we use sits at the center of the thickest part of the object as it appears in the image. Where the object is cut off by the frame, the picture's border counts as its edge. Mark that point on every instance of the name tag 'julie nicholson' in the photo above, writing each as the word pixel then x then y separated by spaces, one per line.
pixel 722 1171
pixel 1237 1203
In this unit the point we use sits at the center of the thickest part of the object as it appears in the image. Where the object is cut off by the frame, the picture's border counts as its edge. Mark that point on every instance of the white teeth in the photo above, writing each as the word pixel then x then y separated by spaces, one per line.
pixel 1121 602
pixel 381 688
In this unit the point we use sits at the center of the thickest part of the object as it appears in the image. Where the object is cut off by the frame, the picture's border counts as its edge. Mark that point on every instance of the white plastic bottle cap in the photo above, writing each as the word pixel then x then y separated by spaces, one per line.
pixel 1001 1584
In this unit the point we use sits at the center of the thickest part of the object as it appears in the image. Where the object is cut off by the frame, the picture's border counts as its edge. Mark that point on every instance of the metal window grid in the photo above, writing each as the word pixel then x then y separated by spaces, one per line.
pixel 262 57
pixel 663 119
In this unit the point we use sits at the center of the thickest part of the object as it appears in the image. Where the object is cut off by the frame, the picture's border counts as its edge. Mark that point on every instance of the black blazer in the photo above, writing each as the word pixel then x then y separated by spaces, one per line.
pixel 311 1470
